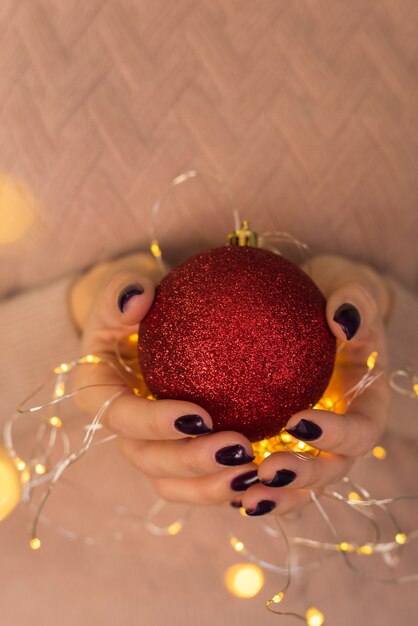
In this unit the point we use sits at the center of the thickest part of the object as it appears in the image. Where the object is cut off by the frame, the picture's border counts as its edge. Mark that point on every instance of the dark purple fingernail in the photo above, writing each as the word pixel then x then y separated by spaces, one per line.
pixel 242 482
pixel 236 505
pixel 306 430
pixel 192 425
pixel 233 455
pixel 348 317
pixel 263 507
pixel 128 293
pixel 280 479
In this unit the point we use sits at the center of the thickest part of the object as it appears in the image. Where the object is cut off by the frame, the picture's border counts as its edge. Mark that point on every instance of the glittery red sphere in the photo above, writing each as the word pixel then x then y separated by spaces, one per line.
pixel 242 332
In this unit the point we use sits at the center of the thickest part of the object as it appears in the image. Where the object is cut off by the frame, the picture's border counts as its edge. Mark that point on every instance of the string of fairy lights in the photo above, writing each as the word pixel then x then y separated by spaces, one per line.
pixel 35 473
pixel 22 476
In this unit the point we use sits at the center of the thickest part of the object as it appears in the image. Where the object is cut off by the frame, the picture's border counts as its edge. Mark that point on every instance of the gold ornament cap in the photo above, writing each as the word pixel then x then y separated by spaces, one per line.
pixel 243 236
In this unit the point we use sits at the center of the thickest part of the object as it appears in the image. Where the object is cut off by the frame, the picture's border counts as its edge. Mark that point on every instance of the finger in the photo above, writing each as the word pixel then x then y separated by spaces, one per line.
pixel 120 306
pixel 351 312
pixel 213 489
pixel 330 273
pixel 261 500
pixel 188 457
pixel 284 469
pixel 351 434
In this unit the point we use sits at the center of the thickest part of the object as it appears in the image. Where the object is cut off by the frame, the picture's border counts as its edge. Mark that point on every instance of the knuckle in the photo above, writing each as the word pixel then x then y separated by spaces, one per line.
pixel 192 462
pixel 211 493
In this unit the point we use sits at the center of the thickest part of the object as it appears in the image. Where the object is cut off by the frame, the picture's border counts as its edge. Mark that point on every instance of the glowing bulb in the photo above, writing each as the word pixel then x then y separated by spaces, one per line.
pixel 415 388
pixel 90 358
pixel 17 210
pixel 353 495
pixel 314 617
pixel 366 549
pixel 286 438
pixel 237 544
pixel 40 468
pixel 10 484
pixel 133 338
pixel 244 580
pixel 243 512
pixel 371 360
pixel 155 248
pixel 59 390
pixel 20 464
pixel 278 597
pixel 345 547
pixel 400 538
pixel 35 543
pixel 266 454
pixel 301 445
pixel 328 403
pixel 174 528
pixel 55 421
pixel 62 369
pixel 379 452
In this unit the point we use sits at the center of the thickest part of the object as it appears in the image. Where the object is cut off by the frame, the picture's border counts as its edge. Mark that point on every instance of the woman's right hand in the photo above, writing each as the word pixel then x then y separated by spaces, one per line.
pixel 170 441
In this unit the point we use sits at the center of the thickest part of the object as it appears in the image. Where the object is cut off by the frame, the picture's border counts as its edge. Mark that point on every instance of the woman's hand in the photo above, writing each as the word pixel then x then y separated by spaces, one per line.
pixel 171 441
pixel 168 440
pixel 357 304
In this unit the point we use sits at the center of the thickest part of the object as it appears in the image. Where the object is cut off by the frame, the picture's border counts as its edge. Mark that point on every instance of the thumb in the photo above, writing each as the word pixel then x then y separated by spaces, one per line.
pixel 357 298
pixel 120 306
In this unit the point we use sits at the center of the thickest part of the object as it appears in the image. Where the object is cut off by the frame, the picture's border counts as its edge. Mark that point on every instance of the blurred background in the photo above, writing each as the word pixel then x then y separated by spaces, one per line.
pixel 307 111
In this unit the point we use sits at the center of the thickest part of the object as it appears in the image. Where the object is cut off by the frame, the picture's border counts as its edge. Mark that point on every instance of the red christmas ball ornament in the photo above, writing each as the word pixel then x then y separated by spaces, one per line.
pixel 242 332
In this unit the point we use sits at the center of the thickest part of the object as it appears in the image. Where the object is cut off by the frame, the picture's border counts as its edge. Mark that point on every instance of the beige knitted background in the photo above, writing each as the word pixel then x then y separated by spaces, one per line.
pixel 307 109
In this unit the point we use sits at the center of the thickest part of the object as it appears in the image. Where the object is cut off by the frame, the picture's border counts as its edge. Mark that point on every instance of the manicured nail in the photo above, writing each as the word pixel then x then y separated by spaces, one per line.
pixel 348 317
pixel 280 479
pixel 192 425
pixel 236 505
pixel 126 294
pixel 242 482
pixel 306 430
pixel 233 455
pixel 263 507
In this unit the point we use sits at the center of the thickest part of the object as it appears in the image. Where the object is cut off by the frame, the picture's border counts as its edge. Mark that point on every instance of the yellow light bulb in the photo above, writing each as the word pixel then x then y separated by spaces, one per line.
pixel 328 403
pixel 17 210
pixel 314 617
pixel 379 452
pixel 243 512
pixel 344 546
pixel 286 438
pixel 40 469
pixel 266 454
pixel 62 369
pixel 55 421
pixel 415 388
pixel 59 390
pixel 237 544
pixel 400 538
pixel 155 249
pixel 244 580
pixel 174 528
pixel 366 549
pixel 35 543
pixel 301 445
pixel 278 597
pixel 20 464
pixel 133 338
pixel 371 360
pixel 10 484
pixel 353 495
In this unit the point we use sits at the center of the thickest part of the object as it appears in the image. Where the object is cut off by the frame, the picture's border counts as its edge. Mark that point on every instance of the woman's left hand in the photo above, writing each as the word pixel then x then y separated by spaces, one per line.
pixel 357 304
